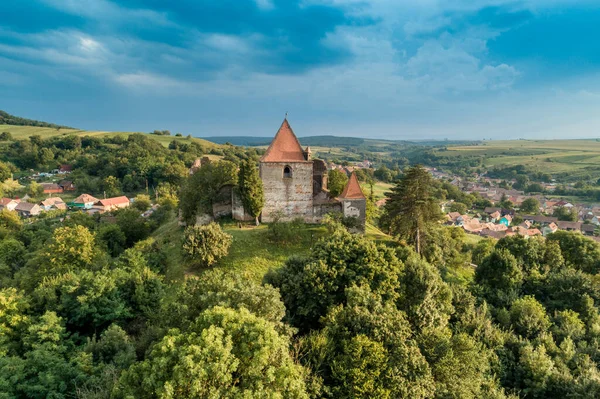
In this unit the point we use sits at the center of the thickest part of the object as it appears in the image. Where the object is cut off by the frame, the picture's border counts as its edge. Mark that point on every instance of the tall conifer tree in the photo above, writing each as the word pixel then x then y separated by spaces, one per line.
pixel 412 208
pixel 251 189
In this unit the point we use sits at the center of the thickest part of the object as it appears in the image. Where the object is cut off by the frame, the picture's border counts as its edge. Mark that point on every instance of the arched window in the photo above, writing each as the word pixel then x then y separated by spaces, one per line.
pixel 287 172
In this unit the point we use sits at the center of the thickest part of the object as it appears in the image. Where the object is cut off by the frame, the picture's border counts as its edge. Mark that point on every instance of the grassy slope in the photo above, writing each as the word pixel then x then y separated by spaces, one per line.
pixel 23 132
pixel 251 253
pixel 551 156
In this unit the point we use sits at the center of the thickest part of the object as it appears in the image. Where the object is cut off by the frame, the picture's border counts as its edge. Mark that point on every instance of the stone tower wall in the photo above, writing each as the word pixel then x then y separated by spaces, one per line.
pixel 355 208
pixel 292 197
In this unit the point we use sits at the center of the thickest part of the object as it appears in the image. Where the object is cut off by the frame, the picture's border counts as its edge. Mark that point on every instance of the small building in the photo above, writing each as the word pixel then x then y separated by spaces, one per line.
pixel 111 204
pixel 588 229
pixel 65 169
pixel 569 226
pixel 27 209
pixel 505 220
pixel 51 188
pixel 84 201
pixel 9 204
pixel 53 203
pixel 549 229
pixel 67 185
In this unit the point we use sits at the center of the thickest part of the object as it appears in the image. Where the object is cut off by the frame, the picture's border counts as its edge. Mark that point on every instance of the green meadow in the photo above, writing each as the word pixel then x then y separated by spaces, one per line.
pixel 24 132
pixel 550 156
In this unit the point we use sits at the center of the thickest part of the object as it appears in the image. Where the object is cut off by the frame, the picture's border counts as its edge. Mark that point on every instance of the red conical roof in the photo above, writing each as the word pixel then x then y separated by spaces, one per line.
pixel 285 147
pixel 352 189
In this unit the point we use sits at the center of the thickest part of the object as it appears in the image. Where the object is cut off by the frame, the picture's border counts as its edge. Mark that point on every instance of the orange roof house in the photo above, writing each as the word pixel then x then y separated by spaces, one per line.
pixel 109 204
pixel 352 189
pixel 285 147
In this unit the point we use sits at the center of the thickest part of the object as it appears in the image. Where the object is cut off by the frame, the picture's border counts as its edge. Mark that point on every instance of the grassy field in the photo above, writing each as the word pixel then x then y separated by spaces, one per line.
pixel 252 254
pixel 23 132
pixel 549 156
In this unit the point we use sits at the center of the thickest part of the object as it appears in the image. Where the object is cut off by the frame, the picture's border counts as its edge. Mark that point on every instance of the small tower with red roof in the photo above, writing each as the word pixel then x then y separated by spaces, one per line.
pixel 354 202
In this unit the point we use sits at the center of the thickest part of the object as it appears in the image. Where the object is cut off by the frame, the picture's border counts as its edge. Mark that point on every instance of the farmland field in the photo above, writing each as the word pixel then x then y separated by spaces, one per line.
pixel 549 156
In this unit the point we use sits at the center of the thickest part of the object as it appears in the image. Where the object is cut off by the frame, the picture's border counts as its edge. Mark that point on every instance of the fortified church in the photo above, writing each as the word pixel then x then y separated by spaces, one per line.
pixel 295 186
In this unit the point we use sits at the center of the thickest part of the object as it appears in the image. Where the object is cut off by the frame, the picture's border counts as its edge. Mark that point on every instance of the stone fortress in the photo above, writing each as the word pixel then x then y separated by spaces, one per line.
pixel 295 186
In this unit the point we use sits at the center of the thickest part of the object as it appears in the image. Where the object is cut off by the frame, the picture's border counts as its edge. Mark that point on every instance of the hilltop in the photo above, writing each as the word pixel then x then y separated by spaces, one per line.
pixel 8 119
pixel 22 128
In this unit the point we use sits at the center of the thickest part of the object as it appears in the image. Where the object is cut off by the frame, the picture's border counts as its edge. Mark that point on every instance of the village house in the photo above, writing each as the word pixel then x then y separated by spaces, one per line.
pixel 9 204
pixel 67 185
pixel 27 209
pixel 84 201
pixel 549 229
pixel 51 188
pixel 53 203
pixel 111 204
pixel 505 220
pixel 569 226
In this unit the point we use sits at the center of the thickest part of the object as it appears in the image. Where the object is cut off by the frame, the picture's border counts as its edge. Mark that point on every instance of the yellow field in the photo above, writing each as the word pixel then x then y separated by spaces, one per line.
pixel 549 156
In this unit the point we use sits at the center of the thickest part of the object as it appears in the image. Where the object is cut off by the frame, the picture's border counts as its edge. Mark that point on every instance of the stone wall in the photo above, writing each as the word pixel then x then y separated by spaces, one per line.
pixel 290 196
pixel 355 208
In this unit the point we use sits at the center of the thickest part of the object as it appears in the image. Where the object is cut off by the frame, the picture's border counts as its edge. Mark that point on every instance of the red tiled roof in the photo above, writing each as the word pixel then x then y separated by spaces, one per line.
pixel 352 189
pixel 285 147
pixel 114 201
pixel 84 199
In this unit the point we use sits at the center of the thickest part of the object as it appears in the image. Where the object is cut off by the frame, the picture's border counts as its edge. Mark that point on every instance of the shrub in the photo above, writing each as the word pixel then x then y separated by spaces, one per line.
pixel 206 244
pixel 284 232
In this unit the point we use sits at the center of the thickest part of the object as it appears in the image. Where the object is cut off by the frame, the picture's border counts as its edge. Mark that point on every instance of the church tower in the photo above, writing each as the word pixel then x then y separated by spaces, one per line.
pixel 287 174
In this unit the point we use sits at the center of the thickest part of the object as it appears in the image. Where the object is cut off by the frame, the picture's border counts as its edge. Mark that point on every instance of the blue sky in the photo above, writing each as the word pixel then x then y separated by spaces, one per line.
pixel 396 69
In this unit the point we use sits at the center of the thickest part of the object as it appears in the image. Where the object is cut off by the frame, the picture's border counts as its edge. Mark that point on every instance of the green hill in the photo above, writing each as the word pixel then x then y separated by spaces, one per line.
pixel 20 132
pixel 8 119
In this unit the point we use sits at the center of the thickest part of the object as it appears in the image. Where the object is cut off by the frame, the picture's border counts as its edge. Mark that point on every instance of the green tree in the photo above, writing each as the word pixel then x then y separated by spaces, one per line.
pixel 565 214
pixel 210 178
pixel 336 181
pixel 111 186
pixel 111 237
pixel 5 172
pixel 35 189
pixel 218 288
pixel 528 317
pixel 458 207
pixel 133 225
pixel 70 248
pixel 206 244
pixel 226 353
pixel 10 220
pixel 311 286
pixel 411 207
pixel 251 188
pixel 501 277
pixel 530 205
pixel 142 202
pixel 366 349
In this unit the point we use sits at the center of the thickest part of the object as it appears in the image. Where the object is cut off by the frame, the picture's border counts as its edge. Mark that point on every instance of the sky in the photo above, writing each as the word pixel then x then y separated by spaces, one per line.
pixel 393 69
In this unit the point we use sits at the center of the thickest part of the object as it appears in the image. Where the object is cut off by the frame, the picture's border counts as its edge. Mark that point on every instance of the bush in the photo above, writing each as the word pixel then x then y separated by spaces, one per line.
pixel 142 202
pixel 206 244
pixel 284 232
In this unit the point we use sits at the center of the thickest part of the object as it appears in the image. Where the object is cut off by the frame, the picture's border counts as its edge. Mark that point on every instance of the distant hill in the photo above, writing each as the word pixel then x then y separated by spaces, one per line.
pixel 317 141
pixel 8 119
